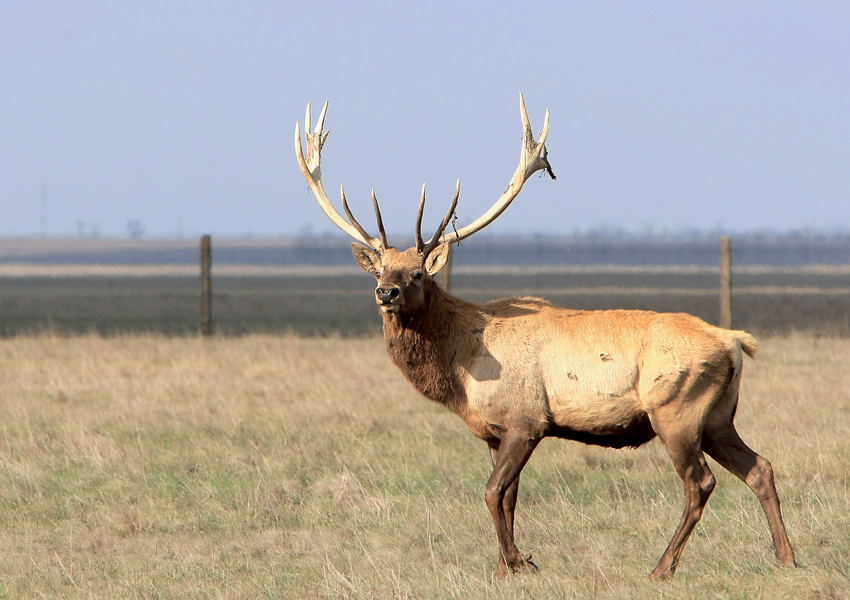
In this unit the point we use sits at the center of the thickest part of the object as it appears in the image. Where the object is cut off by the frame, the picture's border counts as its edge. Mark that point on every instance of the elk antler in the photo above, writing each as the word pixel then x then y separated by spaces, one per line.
pixel 311 168
pixel 435 241
pixel 533 157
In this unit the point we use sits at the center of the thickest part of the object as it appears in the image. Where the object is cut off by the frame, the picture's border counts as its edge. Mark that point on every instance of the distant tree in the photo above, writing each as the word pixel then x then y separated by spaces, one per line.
pixel 135 228
pixel 91 230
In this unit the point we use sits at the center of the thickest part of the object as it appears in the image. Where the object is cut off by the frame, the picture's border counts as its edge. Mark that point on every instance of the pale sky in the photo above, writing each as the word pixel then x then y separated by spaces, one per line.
pixel 664 115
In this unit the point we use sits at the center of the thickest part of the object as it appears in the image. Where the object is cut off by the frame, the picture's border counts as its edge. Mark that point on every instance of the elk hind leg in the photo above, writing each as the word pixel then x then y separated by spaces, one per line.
pixel 509 457
pixel 722 442
pixel 698 481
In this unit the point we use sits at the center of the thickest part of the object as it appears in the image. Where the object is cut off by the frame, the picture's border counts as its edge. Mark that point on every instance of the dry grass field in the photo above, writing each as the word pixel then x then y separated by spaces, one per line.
pixel 147 466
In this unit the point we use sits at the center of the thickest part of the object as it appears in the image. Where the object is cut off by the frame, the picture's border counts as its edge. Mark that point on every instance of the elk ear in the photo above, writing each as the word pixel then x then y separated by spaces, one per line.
pixel 437 259
pixel 368 259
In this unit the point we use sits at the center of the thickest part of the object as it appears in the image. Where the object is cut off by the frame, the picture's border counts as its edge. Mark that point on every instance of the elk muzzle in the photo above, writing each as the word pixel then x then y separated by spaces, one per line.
pixel 388 298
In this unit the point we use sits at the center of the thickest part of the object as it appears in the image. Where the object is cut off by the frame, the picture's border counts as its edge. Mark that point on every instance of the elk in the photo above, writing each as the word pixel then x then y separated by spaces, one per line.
pixel 518 370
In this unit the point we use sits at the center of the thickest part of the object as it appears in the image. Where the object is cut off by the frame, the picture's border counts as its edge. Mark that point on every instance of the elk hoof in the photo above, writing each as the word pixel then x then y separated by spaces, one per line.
pixel 664 575
pixel 527 566
pixel 524 565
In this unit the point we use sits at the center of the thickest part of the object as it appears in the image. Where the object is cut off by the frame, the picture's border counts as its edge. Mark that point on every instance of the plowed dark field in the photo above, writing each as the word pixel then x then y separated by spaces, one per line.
pixel 764 301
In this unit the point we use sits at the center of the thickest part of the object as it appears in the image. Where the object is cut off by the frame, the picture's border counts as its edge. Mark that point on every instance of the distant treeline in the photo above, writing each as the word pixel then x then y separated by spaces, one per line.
pixel 692 250
pixel 773 251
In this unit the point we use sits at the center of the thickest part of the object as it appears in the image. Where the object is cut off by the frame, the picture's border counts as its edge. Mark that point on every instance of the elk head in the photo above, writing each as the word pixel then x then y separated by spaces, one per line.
pixel 404 277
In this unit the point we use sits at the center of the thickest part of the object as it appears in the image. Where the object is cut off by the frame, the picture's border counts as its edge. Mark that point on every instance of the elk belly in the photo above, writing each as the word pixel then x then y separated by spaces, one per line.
pixel 614 418
pixel 611 415
pixel 595 400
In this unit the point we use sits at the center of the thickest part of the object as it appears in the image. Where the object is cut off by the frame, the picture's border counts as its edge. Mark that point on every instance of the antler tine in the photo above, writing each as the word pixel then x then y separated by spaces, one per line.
pixel 533 158
pixel 420 245
pixel 311 169
pixel 528 138
pixel 381 231
pixel 526 124
pixel 545 133
pixel 308 119
pixel 351 218
pixel 437 239
pixel 321 122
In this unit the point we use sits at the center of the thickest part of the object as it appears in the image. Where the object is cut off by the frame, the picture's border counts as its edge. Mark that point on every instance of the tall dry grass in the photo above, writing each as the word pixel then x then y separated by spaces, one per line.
pixel 282 467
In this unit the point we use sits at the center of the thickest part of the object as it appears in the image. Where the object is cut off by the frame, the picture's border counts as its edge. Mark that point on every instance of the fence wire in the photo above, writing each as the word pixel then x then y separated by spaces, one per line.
pixel 312 285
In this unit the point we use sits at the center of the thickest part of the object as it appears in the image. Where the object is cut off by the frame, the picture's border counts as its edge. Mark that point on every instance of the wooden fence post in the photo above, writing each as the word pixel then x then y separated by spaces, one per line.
pixel 725 282
pixel 446 273
pixel 206 286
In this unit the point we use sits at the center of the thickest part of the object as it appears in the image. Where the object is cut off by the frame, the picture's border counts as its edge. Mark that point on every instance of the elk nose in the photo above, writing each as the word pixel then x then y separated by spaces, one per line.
pixel 387 295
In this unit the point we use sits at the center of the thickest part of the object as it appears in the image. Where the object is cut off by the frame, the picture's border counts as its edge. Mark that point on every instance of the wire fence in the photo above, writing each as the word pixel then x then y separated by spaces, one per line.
pixel 312 285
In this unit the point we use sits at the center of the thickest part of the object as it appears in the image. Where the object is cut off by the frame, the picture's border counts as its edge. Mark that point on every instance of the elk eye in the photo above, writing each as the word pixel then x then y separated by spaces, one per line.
pixel 417 275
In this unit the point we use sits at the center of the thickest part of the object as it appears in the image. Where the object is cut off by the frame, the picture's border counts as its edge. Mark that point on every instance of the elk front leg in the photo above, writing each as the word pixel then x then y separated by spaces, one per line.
pixel 509 502
pixel 699 482
pixel 509 457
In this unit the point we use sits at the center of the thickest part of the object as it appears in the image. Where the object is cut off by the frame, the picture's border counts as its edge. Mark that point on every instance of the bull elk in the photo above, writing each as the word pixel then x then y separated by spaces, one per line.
pixel 517 370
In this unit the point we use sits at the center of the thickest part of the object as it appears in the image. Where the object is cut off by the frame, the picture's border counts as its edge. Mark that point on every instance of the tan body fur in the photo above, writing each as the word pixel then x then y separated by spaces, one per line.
pixel 590 375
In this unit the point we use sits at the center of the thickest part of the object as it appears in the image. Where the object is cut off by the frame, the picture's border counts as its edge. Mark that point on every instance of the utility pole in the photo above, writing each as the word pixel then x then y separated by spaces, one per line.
pixel 43 210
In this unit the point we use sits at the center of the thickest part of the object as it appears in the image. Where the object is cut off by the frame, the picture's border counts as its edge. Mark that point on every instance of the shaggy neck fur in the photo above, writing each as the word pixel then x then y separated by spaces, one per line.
pixel 426 342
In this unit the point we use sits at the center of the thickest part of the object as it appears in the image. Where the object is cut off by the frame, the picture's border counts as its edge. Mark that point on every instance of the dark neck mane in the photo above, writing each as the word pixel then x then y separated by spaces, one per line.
pixel 427 343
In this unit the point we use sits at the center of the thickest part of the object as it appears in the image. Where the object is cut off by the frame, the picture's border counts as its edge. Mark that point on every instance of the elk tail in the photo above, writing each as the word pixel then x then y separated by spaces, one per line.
pixel 748 343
